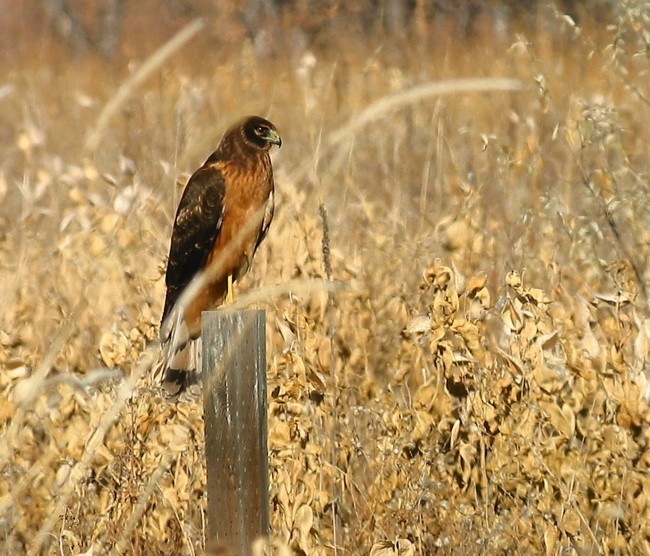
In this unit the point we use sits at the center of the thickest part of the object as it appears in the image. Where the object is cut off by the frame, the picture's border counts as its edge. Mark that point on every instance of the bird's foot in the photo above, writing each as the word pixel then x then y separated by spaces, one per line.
pixel 230 296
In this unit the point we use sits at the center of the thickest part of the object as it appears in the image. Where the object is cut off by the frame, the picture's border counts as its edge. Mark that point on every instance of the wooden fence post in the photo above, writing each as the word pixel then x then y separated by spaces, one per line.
pixel 234 404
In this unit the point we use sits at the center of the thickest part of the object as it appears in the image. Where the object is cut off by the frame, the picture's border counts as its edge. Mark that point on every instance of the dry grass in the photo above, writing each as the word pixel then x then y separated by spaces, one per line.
pixel 489 347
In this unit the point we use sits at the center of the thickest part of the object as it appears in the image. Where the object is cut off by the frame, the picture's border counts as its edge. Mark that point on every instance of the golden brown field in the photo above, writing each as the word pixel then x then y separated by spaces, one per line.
pixel 490 333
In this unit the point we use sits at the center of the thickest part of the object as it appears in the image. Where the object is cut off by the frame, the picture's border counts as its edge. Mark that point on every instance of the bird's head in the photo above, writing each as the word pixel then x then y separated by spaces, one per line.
pixel 260 133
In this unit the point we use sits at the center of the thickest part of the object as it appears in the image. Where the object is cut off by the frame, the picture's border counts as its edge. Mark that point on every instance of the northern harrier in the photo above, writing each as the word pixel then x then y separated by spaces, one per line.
pixel 223 216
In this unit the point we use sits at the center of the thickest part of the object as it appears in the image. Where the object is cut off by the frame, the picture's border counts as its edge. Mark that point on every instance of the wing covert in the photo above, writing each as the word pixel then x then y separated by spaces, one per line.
pixel 197 224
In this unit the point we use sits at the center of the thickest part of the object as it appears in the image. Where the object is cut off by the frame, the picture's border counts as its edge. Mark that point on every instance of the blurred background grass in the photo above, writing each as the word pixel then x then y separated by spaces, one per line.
pixel 476 414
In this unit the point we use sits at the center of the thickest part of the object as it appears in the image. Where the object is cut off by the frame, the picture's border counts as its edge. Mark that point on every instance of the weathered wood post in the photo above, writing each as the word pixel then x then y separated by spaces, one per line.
pixel 234 403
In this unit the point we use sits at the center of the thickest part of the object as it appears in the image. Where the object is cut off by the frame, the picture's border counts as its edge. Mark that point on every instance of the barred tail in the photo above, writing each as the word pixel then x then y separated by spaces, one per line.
pixel 178 369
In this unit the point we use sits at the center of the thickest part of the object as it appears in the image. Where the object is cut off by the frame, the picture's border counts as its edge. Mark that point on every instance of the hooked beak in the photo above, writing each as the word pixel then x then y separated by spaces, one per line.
pixel 274 137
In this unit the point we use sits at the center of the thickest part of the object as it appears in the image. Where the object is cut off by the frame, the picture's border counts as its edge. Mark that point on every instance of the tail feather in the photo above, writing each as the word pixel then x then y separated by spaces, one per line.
pixel 179 366
pixel 180 384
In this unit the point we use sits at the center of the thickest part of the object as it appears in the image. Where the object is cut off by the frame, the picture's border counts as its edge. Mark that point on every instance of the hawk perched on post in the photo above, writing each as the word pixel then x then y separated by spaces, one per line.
pixel 223 216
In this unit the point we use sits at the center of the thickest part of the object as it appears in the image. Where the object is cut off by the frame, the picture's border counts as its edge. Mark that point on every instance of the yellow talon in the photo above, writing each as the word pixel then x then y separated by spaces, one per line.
pixel 230 296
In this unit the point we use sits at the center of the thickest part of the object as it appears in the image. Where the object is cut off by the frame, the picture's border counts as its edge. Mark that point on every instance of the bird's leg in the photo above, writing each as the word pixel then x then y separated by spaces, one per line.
pixel 230 296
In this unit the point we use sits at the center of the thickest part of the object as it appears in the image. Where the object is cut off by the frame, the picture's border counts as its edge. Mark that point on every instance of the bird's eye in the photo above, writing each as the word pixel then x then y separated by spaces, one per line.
pixel 260 129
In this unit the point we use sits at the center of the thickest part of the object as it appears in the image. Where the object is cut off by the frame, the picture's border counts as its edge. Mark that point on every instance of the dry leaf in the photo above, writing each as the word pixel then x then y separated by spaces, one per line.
pixel 570 523
pixel 562 419
pixel 400 547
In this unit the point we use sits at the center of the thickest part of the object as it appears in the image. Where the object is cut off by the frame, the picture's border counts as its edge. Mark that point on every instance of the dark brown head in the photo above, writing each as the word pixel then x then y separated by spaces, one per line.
pixel 259 133
pixel 246 140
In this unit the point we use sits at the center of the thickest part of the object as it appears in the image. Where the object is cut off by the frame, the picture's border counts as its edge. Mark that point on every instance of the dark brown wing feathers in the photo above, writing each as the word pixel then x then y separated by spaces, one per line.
pixel 197 224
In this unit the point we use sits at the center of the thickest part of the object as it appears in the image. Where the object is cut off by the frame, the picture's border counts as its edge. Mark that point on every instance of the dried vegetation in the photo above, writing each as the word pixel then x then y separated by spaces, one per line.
pixel 490 345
